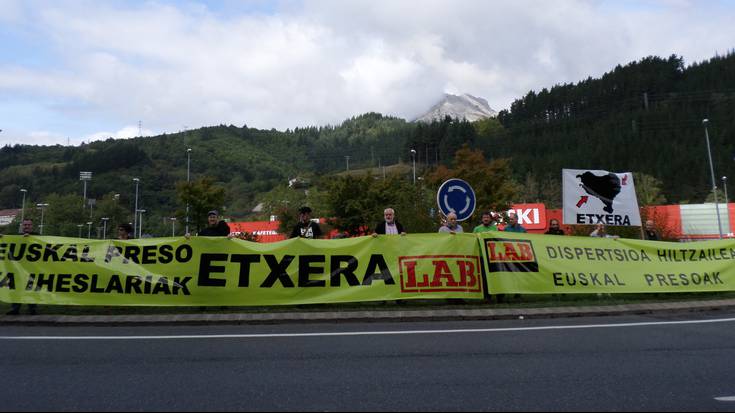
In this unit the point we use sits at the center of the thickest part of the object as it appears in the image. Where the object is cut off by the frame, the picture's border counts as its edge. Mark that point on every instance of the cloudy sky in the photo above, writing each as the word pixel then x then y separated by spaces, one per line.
pixel 77 70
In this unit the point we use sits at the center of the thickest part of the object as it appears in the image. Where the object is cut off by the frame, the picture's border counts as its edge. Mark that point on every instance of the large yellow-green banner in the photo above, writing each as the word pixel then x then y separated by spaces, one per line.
pixel 231 272
pixel 528 264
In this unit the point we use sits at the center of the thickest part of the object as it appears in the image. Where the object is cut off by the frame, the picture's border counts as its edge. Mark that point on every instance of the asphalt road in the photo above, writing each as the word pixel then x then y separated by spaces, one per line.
pixel 491 365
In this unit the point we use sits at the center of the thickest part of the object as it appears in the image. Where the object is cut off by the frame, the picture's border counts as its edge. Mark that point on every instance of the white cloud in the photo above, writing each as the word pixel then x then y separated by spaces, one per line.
pixel 125 133
pixel 169 65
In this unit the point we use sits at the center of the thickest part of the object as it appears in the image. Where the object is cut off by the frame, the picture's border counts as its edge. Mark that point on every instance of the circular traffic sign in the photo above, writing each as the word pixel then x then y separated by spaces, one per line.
pixel 456 195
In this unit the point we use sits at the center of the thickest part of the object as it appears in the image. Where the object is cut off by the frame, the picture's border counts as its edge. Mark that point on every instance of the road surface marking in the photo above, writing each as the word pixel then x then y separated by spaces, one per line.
pixel 371 333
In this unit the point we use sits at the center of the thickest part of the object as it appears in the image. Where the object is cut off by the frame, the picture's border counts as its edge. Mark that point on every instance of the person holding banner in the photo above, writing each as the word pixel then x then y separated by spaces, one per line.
pixel 124 231
pixel 650 232
pixel 305 228
pixel 554 228
pixel 486 224
pixel 513 225
pixel 27 229
pixel 601 232
pixel 216 227
pixel 451 226
pixel 389 226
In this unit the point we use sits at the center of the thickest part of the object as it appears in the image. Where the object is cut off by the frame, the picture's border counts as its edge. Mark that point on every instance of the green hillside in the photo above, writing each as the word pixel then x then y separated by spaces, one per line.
pixel 644 117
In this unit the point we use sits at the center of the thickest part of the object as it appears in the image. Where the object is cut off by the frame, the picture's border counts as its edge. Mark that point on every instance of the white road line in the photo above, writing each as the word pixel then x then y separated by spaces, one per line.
pixel 725 399
pixel 370 333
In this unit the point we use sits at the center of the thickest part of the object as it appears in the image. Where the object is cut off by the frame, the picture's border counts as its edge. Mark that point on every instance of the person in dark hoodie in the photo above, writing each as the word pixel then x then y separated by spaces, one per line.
pixel 216 227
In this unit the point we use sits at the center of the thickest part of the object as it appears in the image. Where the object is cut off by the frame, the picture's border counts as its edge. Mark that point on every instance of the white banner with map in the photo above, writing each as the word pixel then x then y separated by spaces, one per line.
pixel 594 196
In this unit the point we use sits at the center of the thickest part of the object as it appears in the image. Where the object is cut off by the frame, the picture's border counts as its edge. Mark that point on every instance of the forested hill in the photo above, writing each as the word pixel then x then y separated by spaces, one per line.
pixel 644 117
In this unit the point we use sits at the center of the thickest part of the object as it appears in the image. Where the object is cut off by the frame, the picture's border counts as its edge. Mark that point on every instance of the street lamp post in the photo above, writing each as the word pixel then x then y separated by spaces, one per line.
pixel 413 156
pixel 23 205
pixel 89 229
pixel 712 173
pixel 140 223
pixel 104 227
pixel 173 226
pixel 135 214
pixel 42 207
pixel 724 186
pixel 22 210
pixel 79 226
pixel 188 178
pixel 84 177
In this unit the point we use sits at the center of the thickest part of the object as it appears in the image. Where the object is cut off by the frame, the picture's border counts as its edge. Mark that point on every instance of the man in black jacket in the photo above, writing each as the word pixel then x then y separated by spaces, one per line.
pixel 650 231
pixel 216 227
pixel 554 228
pixel 389 226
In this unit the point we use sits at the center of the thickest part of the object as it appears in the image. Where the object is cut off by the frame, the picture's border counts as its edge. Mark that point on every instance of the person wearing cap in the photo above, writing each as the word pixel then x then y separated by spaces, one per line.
pixel 216 227
pixel 306 228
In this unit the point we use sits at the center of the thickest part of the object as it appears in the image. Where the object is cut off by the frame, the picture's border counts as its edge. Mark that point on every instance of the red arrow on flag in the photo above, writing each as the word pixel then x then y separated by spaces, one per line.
pixel 582 201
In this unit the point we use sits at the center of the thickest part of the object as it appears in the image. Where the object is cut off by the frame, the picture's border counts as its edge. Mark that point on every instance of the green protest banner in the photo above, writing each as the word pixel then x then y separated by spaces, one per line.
pixel 220 271
pixel 529 264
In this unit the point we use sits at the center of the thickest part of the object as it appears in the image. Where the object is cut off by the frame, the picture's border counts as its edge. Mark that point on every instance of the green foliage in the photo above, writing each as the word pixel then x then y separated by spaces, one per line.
pixel 648 190
pixel 645 116
pixel 492 181
pixel 356 203
pixel 202 195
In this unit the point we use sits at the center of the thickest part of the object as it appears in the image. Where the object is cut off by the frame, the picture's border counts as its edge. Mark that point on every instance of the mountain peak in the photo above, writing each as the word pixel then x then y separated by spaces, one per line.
pixel 463 106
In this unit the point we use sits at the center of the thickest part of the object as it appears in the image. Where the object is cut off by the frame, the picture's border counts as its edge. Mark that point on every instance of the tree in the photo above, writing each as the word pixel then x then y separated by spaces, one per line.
pixel 356 203
pixel 648 190
pixel 492 181
pixel 202 195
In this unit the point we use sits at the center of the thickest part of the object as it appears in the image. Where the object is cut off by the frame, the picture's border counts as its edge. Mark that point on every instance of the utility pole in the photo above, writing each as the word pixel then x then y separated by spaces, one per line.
pixel 22 210
pixel 135 213
pixel 140 223
pixel 42 207
pixel 84 177
pixel 104 227
pixel 712 173
pixel 188 179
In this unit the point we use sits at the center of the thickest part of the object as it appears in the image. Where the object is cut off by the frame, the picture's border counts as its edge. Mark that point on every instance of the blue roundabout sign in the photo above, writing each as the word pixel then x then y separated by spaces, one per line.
pixel 456 195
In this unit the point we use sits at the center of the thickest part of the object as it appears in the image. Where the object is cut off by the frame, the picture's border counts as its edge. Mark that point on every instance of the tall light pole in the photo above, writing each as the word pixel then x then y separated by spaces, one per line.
pixel 22 210
pixel 140 223
pixel 413 156
pixel 42 207
pixel 173 226
pixel 84 177
pixel 79 226
pixel 712 173
pixel 104 227
pixel 724 186
pixel 188 179
pixel 89 229
pixel 135 213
